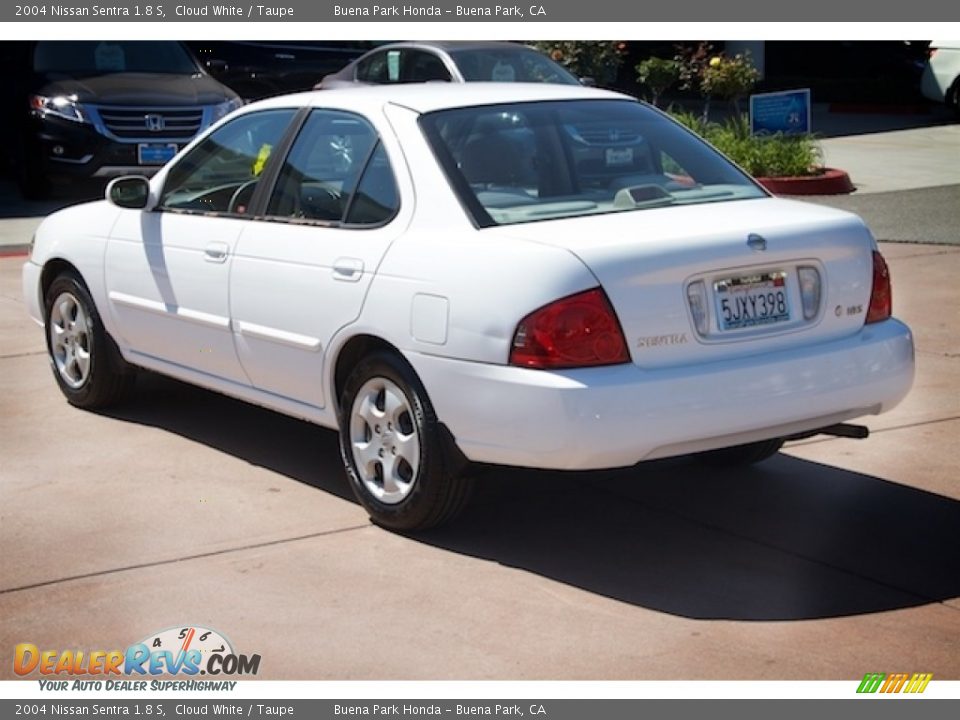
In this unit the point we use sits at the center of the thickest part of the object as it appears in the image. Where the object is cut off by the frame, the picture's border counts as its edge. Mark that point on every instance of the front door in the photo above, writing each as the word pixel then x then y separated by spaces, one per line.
pixel 168 269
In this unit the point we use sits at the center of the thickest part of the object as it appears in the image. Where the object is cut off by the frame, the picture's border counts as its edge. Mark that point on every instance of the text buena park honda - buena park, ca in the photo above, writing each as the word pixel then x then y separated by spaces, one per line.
pixel 432 10
pixel 397 710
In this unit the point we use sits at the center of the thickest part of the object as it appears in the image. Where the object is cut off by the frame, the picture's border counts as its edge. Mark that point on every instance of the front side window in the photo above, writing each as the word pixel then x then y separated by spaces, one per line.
pixel 336 172
pixel 220 174
pixel 402 65
pixel 543 160
pixel 374 69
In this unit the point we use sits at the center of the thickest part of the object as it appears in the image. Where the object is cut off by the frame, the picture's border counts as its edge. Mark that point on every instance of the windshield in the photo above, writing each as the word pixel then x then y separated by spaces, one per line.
pixel 86 58
pixel 509 65
pixel 543 160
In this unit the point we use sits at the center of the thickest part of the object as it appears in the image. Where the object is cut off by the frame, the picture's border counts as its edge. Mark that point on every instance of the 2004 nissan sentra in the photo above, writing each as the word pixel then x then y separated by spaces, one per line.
pixel 530 275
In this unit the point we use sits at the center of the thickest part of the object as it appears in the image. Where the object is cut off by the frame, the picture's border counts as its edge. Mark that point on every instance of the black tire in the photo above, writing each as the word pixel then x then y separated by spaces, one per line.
pixel 86 363
pixel 427 495
pixel 742 454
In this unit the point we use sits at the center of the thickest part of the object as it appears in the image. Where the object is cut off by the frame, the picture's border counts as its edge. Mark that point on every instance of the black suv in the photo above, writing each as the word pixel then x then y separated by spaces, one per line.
pixel 98 109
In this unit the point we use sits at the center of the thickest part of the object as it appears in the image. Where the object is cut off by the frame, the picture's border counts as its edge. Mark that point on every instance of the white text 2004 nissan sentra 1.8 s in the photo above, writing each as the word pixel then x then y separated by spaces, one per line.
pixel 531 275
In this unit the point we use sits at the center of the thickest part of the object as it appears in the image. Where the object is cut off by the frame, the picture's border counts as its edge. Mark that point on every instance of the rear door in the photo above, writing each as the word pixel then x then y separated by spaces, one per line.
pixel 302 273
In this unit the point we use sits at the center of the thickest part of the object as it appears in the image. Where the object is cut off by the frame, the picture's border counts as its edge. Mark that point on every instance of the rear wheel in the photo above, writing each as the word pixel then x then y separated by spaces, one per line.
pixel 393 448
pixel 86 363
pixel 742 454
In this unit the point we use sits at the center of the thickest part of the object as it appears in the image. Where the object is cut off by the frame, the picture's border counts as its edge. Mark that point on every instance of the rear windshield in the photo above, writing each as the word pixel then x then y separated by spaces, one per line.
pixel 526 162
pixel 81 58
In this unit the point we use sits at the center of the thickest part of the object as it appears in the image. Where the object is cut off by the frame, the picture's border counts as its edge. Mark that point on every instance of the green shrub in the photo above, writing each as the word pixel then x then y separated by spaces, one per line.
pixel 775 155
pixel 658 75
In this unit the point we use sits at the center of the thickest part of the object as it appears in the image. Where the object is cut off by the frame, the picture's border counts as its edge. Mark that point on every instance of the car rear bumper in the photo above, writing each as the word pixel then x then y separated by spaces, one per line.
pixel 618 416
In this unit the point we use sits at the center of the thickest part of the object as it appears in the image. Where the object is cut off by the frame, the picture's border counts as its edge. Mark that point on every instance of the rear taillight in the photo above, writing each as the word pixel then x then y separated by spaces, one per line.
pixel 881 297
pixel 576 331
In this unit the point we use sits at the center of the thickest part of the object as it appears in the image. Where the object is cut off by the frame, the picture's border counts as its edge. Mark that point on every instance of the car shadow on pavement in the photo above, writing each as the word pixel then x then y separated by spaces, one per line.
pixel 788 539
pixel 294 448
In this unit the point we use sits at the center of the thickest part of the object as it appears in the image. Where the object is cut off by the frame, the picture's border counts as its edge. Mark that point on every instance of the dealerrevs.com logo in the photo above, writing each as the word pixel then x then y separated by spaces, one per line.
pixel 185 651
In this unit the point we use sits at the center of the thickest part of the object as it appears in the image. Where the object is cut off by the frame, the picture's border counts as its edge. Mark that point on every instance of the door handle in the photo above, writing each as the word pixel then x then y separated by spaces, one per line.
pixel 216 252
pixel 347 269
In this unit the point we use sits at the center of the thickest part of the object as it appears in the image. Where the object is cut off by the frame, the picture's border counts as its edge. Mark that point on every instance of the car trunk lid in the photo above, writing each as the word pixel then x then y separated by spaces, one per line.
pixel 646 261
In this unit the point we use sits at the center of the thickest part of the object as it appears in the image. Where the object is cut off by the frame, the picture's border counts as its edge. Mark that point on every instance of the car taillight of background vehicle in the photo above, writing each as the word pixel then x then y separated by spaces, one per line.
pixel 581 330
pixel 881 297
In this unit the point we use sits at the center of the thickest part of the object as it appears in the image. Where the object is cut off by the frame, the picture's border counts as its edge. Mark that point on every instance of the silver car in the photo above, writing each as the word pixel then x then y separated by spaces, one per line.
pixel 449 61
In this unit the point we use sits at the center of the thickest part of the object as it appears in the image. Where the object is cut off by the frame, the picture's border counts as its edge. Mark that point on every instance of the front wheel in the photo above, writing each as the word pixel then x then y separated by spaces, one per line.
pixel 742 454
pixel 86 363
pixel 393 448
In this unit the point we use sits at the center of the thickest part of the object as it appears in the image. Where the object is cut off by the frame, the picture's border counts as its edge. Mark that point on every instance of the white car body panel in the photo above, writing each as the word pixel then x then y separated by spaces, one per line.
pixel 624 414
pixel 267 321
pixel 168 293
pixel 644 261
pixel 942 71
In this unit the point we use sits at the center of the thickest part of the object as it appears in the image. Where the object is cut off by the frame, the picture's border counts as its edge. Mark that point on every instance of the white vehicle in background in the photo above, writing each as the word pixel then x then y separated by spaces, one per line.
pixel 941 75
pixel 544 276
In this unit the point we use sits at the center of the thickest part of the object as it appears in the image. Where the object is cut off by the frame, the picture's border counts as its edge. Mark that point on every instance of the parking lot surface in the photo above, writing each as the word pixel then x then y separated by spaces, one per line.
pixel 185 507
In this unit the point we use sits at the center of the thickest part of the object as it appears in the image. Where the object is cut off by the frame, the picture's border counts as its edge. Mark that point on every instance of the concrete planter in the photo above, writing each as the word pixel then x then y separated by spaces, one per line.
pixel 829 182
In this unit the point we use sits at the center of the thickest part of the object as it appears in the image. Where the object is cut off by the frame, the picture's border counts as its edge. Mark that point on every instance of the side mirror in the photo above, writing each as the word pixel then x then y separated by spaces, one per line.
pixel 130 191
pixel 588 82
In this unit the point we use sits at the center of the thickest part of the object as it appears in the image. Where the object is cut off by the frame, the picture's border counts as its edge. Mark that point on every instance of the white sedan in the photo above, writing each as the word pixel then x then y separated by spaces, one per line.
pixel 531 275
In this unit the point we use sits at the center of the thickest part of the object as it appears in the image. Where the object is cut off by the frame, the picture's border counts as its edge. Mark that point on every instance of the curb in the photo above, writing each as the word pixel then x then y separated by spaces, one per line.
pixel 830 182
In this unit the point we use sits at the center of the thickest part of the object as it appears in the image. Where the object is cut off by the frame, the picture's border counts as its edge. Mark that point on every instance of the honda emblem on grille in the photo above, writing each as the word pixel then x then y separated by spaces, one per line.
pixel 154 122
pixel 757 243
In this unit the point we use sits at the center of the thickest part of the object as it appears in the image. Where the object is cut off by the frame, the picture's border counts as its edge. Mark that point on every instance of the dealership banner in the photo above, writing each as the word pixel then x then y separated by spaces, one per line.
pixel 477 10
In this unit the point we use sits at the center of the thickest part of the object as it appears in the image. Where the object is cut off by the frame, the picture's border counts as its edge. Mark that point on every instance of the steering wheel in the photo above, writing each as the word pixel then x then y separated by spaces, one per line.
pixel 238 195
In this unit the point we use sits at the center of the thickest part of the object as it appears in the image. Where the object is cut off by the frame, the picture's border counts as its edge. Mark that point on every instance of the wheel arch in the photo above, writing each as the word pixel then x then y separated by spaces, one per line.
pixel 52 269
pixel 350 353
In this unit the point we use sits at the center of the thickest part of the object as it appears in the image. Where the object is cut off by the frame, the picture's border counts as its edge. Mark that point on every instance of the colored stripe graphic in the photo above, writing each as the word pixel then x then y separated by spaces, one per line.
pixel 871 682
pixel 894 683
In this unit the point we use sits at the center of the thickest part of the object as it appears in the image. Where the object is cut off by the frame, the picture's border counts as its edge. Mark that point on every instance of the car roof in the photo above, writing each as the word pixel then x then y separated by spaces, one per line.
pixel 431 96
pixel 448 45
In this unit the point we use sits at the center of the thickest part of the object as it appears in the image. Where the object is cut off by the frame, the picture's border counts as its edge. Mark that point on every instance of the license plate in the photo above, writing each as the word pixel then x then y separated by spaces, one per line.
pixel 752 301
pixel 619 156
pixel 155 153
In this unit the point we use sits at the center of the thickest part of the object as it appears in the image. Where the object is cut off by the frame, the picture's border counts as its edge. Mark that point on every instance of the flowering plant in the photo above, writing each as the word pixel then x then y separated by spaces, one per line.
pixel 599 60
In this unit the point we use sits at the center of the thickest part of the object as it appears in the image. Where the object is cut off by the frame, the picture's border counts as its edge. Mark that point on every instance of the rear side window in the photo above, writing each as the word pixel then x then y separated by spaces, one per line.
pixel 336 172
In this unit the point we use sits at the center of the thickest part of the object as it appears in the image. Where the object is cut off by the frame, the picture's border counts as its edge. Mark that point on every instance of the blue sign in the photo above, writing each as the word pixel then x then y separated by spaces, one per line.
pixel 787 112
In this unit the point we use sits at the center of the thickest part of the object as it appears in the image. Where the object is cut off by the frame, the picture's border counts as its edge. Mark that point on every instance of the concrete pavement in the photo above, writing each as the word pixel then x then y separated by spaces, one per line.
pixel 897 160
pixel 835 558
